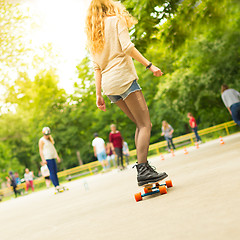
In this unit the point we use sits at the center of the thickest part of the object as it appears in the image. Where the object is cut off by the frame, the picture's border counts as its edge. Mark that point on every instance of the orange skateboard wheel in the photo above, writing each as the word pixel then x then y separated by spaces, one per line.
pixel 138 197
pixel 169 183
pixel 162 189
pixel 145 190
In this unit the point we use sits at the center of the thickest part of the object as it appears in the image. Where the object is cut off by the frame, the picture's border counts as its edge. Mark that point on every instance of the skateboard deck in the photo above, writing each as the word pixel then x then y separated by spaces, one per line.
pixel 153 188
pixel 61 189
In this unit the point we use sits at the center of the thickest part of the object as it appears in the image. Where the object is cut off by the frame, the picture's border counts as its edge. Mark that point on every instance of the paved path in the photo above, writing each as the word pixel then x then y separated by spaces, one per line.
pixel 203 204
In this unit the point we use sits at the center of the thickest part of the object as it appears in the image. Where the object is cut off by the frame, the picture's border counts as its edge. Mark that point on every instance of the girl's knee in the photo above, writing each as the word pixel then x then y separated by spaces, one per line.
pixel 146 127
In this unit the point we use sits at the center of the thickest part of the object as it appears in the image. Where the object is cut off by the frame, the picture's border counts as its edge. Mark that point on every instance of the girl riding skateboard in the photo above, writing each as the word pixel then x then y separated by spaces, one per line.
pixel 107 25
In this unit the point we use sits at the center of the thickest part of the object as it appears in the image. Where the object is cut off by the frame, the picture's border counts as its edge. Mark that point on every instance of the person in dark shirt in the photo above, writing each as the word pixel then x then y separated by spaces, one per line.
pixel 116 140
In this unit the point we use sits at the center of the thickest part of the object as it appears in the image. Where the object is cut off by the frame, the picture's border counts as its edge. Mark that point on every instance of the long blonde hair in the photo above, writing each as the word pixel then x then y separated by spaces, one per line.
pixel 51 139
pixel 165 125
pixel 97 11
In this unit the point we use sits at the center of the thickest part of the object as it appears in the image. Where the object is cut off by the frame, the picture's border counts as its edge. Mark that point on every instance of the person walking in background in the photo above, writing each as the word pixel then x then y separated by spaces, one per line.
pixel 126 152
pixel 18 182
pixel 49 155
pixel 100 150
pixel 116 140
pixel 46 174
pixel 12 183
pixel 231 99
pixel 107 25
pixel 17 178
pixel 110 154
pixel 167 132
pixel 28 177
pixel 193 125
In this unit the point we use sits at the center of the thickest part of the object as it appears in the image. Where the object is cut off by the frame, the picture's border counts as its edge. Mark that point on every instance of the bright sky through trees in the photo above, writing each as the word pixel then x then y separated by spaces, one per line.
pixel 61 23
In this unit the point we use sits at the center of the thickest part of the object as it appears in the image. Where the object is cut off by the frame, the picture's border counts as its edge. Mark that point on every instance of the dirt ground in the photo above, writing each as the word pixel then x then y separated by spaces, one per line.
pixel 203 204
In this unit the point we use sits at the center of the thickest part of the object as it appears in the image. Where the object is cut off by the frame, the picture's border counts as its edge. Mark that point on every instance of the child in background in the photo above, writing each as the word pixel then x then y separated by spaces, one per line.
pixel 46 174
pixel 17 178
pixel 167 132
pixel 110 154
pixel 193 125
pixel 126 152
pixel 28 176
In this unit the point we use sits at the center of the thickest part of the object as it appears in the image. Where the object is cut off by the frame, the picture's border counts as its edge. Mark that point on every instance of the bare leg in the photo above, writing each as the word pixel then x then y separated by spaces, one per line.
pixel 123 106
pixel 136 109
pixel 48 182
pixel 106 164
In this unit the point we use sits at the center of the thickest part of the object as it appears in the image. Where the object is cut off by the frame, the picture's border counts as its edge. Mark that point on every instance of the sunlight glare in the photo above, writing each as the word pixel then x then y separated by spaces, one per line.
pixel 62 24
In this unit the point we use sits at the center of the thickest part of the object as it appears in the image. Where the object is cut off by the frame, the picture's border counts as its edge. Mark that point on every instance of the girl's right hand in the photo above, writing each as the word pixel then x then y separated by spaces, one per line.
pixel 156 71
pixel 100 103
pixel 44 162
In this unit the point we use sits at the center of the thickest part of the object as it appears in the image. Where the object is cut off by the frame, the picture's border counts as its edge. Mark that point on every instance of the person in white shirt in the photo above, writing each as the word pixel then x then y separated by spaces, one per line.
pixel 28 176
pixel 49 155
pixel 100 150
pixel 231 99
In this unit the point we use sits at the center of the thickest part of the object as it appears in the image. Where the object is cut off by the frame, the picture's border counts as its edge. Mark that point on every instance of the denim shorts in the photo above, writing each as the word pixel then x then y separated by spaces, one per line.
pixel 133 88
pixel 101 156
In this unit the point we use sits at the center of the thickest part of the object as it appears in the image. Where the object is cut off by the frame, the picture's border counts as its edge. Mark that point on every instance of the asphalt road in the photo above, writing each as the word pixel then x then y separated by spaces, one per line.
pixel 203 204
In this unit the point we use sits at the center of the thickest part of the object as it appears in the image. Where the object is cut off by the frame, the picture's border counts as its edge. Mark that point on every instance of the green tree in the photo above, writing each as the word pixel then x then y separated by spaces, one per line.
pixel 206 59
pixel 36 105
pixel 150 14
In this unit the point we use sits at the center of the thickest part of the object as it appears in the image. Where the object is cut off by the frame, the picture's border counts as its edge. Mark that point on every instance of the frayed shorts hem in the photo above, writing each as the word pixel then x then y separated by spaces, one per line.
pixel 133 88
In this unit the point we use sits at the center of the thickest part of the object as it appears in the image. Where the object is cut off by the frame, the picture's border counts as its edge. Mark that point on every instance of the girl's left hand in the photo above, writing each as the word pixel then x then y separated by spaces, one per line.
pixel 100 103
pixel 156 71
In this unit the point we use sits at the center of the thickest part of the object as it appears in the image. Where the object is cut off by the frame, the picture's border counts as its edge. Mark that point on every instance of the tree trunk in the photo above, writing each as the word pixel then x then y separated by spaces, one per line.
pixel 79 158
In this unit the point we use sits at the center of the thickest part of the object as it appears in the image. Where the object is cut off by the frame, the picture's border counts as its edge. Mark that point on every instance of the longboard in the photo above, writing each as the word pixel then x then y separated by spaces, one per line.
pixel 153 188
pixel 61 189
